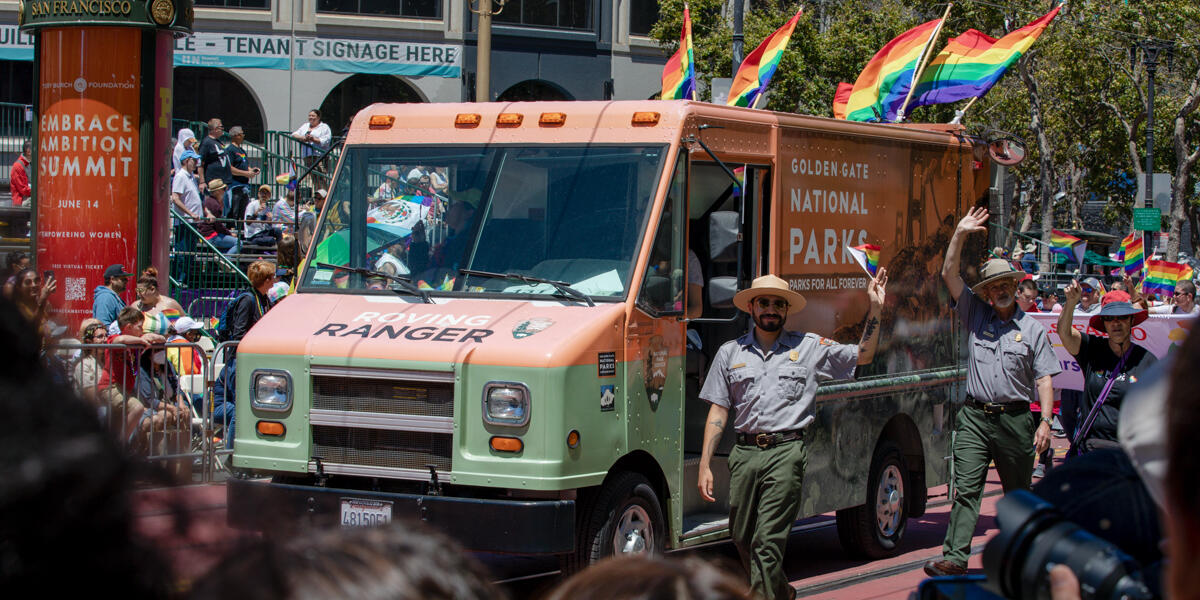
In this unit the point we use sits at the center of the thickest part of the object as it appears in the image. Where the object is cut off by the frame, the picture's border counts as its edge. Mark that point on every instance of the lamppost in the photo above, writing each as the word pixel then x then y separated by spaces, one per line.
pixel 483 58
pixel 738 17
pixel 1151 49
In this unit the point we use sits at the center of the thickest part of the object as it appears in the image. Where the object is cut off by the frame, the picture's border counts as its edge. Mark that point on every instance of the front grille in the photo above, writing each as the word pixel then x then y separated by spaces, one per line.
pixel 387 396
pixel 382 448
pixel 368 419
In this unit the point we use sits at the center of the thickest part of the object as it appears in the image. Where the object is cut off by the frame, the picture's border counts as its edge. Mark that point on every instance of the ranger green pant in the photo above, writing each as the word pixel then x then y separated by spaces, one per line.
pixel 1006 439
pixel 764 501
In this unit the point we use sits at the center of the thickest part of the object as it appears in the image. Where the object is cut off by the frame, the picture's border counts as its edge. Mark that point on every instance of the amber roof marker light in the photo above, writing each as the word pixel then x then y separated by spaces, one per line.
pixel 553 119
pixel 465 120
pixel 645 119
pixel 381 121
pixel 509 119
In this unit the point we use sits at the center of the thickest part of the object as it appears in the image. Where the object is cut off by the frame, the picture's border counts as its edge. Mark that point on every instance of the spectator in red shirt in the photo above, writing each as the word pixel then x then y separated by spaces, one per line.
pixel 1027 295
pixel 122 365
pixel 18 178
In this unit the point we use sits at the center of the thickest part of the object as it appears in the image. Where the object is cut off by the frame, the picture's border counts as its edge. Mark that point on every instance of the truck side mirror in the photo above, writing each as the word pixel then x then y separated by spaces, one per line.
pixel 723 236
pixel 721 291
pixel 1006 151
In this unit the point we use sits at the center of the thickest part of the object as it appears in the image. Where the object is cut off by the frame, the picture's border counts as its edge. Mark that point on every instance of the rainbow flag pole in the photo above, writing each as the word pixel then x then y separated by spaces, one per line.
pixel 973 62
pixel 867 257
pixel 1067 245
pixel 1161 276
pixel 925 54
pixel 757 69
pixel 1132 254
pixel 883 82
pixel 679 74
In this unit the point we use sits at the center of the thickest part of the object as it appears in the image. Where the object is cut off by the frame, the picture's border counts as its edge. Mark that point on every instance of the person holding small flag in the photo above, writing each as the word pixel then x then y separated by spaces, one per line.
pixel 768 377
pixel 1110 364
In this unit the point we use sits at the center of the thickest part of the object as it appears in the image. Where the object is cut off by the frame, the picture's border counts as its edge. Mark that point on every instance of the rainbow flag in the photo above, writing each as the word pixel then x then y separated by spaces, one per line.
pixel 172 315
pixel 973 62
pixel 446 285
pixel 1067 245
pixel 679 74
pixel 1161 276
pixel 840 98
pixel 756 71
pixel 867 257
pixel 1187 274
pixel 1132 254
pixel 883 84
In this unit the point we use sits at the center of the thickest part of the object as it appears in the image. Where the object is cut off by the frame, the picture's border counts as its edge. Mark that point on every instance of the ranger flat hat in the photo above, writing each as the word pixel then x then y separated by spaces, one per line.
pixel 996 269
pixel 769 285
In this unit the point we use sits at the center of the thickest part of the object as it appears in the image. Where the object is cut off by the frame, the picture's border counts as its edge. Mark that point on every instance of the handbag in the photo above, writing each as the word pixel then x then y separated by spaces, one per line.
pixel 1081 434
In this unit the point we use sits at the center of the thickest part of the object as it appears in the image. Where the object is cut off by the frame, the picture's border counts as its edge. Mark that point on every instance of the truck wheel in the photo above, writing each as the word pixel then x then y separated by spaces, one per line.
pixel 625 517
pixel 874 530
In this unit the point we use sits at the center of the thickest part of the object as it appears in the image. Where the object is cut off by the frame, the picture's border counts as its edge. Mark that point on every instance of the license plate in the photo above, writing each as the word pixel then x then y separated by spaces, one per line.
pixel 357 512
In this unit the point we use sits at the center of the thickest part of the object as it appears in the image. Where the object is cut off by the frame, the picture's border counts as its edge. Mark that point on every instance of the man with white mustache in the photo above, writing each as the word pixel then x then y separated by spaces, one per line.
pixel 1009 361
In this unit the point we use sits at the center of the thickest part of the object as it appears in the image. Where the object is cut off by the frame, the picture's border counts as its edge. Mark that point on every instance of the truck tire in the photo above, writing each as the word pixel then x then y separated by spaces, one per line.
pixel 624 517
pixel 874 530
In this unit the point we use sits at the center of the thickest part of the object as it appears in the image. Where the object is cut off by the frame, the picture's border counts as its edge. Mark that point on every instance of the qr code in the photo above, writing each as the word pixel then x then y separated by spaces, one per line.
pixel 76 288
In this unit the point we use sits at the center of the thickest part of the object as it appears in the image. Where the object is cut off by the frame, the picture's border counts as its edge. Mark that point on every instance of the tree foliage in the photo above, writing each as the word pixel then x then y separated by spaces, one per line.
pixel 1091 94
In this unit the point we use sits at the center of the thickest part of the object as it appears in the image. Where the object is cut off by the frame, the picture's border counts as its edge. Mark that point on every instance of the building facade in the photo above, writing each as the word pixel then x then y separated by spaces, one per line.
pixel 263 64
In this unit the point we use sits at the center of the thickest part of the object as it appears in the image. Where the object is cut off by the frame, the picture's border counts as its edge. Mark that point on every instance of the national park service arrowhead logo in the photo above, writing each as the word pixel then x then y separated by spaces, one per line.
pixel 529 327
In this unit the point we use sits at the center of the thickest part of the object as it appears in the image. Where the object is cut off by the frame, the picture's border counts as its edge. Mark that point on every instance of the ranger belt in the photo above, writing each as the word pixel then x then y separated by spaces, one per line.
pixel 998 408
pixel 769 440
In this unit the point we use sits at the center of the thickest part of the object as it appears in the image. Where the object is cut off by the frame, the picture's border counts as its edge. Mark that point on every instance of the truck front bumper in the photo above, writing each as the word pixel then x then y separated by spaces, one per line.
pixel 505 526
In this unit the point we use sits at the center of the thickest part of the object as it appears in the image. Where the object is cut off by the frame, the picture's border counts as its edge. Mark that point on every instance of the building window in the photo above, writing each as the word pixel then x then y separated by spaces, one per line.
pixel 415 9
pixel 559 14
pixel 643 14
pixel 259 4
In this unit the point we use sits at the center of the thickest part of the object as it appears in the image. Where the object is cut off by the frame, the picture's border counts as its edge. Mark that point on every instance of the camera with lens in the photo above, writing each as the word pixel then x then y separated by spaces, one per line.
pixel 1035 536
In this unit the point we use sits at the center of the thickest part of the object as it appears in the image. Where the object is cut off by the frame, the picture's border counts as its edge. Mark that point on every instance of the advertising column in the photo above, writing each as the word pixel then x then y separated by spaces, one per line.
pixel 88 142
pixel 101 148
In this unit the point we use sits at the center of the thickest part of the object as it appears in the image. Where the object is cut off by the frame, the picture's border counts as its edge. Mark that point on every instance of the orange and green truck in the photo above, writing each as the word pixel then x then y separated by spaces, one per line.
pixel 508 309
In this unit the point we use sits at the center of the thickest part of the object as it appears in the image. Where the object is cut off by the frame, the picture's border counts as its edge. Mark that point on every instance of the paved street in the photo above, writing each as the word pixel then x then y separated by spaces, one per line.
pixel 189 524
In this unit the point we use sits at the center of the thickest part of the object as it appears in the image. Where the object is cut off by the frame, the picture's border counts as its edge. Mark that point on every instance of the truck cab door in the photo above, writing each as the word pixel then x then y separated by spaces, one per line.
pixel 654 341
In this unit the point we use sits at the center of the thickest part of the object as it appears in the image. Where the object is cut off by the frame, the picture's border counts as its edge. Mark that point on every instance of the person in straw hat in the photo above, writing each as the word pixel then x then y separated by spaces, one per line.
pixel 769 377
pixel 1010 363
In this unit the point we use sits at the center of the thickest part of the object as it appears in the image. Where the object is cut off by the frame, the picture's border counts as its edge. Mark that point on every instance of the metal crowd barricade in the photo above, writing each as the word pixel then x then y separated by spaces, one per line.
pixel 154 411
pixel 223 367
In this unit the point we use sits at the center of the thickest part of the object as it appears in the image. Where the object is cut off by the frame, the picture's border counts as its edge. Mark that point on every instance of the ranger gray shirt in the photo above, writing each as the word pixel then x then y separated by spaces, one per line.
pixel 1004 358
pixel 774 391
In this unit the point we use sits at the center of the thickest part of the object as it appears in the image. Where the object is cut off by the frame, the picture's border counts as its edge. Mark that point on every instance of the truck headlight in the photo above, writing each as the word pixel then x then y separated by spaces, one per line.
pixel 272 390
pixel 506 403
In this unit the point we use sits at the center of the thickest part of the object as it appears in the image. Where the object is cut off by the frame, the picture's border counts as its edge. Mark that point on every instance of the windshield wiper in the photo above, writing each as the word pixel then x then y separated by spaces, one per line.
pixel 405 283
pixel 563 287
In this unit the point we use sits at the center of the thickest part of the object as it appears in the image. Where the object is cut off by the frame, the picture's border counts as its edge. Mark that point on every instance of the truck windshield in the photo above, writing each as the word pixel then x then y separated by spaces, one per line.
pixel 572 215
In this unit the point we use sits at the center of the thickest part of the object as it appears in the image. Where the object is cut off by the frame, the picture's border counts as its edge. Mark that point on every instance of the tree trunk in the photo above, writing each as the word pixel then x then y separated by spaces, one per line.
pixel 1184 161
pixel 1045 158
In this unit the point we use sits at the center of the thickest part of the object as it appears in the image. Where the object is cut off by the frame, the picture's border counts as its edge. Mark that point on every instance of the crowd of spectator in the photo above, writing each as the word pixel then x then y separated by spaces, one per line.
pixel 134 380
pixel 215 188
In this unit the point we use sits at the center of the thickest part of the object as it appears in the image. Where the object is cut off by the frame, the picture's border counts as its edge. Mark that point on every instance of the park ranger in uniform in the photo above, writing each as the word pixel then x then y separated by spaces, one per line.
pixel 1009 361
pixel 769 377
